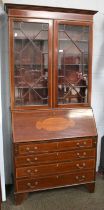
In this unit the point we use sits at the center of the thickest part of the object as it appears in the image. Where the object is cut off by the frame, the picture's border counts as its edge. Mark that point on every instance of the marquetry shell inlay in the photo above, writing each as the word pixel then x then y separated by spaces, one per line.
pixel 55 124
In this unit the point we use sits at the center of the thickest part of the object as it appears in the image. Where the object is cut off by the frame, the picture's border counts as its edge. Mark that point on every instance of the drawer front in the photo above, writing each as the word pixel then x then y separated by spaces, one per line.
pixel 36 159
pixel 54 181
pixel 54 157
pixel 76 154
pixel 83 143
pixel 34 148
pixel 49 169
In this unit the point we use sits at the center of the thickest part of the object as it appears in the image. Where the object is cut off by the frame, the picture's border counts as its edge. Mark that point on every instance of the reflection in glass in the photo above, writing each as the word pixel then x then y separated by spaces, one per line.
pixel 72 64
pixel 31 63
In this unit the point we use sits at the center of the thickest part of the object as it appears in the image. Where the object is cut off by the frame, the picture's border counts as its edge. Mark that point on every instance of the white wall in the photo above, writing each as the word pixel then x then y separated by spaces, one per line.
pixel 98 76
pixel 81 4
pixel 2 173
pixel 5 130
pixel 98 70
pixel 6 101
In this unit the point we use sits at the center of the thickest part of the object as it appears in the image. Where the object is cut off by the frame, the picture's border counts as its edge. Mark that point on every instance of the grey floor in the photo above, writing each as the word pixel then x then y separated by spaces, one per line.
pixel 71 198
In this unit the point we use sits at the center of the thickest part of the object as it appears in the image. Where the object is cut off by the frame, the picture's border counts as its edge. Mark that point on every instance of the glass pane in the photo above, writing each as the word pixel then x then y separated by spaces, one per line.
pixel 31 63
pixel 73 64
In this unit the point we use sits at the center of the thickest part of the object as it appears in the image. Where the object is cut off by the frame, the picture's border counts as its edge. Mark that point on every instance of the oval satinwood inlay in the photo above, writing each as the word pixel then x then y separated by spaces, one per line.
pixel 55 124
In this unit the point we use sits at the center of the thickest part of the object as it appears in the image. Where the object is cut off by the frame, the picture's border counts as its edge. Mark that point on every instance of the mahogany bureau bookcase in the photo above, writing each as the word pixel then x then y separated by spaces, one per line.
pixel 54 131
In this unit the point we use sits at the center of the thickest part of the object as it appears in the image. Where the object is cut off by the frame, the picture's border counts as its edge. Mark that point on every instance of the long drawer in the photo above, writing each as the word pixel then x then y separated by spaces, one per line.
pixel 34 148
pixel 48 169
pixel 54 181
pixel 54 157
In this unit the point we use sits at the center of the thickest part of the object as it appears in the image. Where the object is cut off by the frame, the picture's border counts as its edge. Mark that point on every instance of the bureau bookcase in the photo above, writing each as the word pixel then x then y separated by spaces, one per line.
pixel 53 127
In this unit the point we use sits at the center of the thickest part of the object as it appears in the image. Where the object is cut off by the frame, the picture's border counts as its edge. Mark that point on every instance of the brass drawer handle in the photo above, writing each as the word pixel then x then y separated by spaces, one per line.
pixel 77 177
pixel 81 156
pixel 36 183
pixel 78 144
pixel 29 171
pixel 57 145
pixel 77 164
pixel 81 145
pixel 30 186
pixel 28 159
pixel 80 167
pixel 31 150
pixel 27 148
pixel 80 179
pixel 84 164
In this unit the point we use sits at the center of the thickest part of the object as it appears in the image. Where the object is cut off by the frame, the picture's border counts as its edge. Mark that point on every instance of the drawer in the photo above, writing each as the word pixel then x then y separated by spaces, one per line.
pixel 36 159
pixel 48 169
pixel 54 181
pixel 34 148
pixel 54 157
pixel 68 145
pixel 76 154
pixel 61 145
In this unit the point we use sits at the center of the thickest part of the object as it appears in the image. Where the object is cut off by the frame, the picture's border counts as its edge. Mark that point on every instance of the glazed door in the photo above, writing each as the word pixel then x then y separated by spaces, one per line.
pixel 31 63
pixel 72 63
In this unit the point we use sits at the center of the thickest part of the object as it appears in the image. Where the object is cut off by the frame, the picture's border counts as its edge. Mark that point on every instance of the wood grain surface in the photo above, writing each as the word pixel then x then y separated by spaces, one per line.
pixel 52 124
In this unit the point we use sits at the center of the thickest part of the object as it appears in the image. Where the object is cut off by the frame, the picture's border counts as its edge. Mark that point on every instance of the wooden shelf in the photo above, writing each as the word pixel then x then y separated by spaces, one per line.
pixel 27 87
